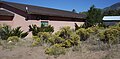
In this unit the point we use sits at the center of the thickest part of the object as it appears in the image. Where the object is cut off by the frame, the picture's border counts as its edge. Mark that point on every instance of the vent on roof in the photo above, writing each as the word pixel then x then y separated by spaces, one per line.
pixel 26 8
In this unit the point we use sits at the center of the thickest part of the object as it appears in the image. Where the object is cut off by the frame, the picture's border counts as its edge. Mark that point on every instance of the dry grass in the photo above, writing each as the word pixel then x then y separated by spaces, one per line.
pixel 86 50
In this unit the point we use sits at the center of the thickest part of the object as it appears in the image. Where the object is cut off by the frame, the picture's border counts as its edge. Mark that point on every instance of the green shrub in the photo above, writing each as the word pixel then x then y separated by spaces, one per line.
pixel 75 39
pixel 47 29
pixel 67 37
pixel 13 39
pixel 54 39
pixel 110 36
pixel 96 29
pixel 17 32
pixel 77 27
pixel 44 36
pixel 67 43
pixel 35 29
pixel 23 35
pixel 90 30
pixel 55 50
pixel 36 38
pixel 72 41
pixel 36 41
pixel 0 42
pixel 81 26
pixel 101 36
pixel 65 32
pixel 83 34
pixel 6 32
pixel 115 27
pixel 118 24
pixel 47 38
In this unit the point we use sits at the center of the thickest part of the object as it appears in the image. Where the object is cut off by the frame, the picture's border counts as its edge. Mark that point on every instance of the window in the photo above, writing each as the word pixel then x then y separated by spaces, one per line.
pixel 44 23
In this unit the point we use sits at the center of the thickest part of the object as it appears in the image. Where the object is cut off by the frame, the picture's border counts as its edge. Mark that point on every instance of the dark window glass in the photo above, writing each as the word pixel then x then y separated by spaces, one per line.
pixel 44 23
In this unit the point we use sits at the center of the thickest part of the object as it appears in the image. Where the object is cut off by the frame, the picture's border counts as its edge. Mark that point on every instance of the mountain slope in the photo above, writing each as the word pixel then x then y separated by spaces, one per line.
pixel 113 7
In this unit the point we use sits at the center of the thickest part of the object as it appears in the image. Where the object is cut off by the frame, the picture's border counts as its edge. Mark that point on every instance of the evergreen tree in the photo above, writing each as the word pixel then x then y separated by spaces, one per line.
pixel 85 12
pixel 74 10
pixel 94 16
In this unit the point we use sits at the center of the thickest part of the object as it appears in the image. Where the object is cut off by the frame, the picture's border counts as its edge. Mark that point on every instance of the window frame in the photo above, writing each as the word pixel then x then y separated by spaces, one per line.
pixel 44 21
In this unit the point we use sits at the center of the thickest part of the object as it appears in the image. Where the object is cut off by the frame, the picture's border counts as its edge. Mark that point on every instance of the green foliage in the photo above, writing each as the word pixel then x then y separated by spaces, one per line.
pixel 101 35
pixel 110 36
pixel 75 39
pixel 85 13
pixel 90 30
pixel 48 29
pixel 65 32
pixel 35 30
pixel 94 30
pixel 6 32
pixel 118 24
pixel 55 50
pixel 36 41
pixel 94 16
pixel 81 26
pixel 42 38
pixel 13 39
pixel 23 35
pixel 67 43
pixel 74 11
pixel 76 27
pixel 54 39
pixel 67 37
pixel 83 34
pixel 17 32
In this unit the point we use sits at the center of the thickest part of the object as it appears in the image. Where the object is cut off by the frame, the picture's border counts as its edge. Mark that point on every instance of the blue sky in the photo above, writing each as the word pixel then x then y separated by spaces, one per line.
pixel 78 5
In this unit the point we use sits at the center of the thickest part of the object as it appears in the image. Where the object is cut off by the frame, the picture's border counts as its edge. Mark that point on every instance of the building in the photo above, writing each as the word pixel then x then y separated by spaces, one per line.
pixel 16 14
pixel 111 20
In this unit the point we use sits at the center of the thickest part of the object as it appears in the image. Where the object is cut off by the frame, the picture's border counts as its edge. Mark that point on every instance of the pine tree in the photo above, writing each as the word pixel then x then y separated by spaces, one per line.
pixel 74 11
pixel 94 16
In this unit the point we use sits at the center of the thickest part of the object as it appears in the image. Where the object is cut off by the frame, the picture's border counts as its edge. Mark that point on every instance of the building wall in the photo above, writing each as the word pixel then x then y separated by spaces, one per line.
pixel 110 23
pixel 58 24
pixel 6 22
pixel 19 20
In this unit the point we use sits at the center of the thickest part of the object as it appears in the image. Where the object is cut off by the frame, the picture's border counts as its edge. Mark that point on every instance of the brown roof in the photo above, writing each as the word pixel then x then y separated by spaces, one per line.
pixel 5 13
pixel 43 10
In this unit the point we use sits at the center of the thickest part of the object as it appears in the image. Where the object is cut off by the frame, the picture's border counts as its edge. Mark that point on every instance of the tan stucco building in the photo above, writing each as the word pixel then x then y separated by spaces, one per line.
pixel 16 14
